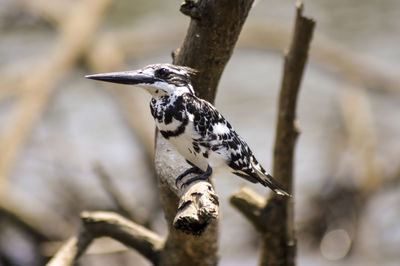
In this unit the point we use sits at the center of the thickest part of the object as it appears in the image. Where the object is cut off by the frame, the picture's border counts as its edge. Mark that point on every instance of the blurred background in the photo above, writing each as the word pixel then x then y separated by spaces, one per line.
pixel 69 144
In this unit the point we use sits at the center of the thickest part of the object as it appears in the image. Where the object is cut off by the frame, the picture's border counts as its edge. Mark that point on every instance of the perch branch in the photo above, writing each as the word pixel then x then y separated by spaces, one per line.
pixel 101 224
pixel 198 203
pixel 207 47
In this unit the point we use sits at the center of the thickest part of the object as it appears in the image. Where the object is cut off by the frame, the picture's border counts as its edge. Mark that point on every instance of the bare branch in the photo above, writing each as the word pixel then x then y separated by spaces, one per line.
pixel 198 204
pixel 207 47
pixel 276 220
pixel 100 224
pixel 250 204
pixel 284 250
pixel 72 249
pixel 197 207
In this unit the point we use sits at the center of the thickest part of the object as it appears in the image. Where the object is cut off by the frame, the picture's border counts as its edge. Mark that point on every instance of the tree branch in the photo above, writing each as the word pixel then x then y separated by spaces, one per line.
pixel 209 42
pixel 100 224
pixel 250 204
pixel 207 47
pixel 277 217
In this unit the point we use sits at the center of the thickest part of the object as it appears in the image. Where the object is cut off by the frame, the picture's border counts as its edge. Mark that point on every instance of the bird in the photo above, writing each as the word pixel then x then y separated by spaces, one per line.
pixel 193 126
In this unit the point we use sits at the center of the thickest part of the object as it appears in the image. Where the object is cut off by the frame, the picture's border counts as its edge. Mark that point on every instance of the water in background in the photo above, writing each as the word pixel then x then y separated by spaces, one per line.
pixel 82 124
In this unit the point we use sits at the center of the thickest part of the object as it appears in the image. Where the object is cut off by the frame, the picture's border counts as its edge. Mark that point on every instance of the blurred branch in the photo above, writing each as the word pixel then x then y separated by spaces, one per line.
pixel 276 220
pixel 346 192
pixel 106 55
pixel 25 209
pixel 272 34
pixel 100 224
pixel 52 11
pixel 357 115
pixel 75 33
pixel 106 181
pixel 367 71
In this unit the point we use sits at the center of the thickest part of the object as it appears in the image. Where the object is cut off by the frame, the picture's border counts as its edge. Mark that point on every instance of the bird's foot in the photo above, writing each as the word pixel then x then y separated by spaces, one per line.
pixel 191 170
pixel 203 176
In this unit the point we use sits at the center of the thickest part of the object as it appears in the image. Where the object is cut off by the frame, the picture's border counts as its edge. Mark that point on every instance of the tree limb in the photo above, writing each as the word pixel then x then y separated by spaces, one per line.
pixel 207 47
pixel 250 204
pixel 277 216
pixel 100 224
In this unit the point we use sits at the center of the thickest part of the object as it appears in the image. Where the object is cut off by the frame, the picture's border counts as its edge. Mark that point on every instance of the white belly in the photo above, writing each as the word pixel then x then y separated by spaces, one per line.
pixel 184 145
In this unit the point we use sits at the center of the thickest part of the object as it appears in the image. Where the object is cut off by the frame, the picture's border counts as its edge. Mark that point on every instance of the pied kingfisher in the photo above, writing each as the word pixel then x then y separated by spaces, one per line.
pixel 196 129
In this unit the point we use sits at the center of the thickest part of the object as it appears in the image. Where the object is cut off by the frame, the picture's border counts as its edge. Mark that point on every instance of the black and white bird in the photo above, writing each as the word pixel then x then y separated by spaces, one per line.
pixel 196 129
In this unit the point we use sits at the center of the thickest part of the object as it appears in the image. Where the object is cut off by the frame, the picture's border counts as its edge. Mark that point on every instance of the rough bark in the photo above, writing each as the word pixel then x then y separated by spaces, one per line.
pixel 209 42
pixel 276 220
pixel 208 45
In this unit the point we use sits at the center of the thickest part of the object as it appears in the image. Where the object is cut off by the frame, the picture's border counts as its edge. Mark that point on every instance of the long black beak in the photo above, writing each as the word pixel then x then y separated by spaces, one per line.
pixel 126 77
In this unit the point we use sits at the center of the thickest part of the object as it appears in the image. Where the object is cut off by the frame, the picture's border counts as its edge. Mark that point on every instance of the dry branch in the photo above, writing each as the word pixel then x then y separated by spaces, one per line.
pixel 100 224
pixel 198 203
pixel 277 217
pixel 207 47
pixel 209 42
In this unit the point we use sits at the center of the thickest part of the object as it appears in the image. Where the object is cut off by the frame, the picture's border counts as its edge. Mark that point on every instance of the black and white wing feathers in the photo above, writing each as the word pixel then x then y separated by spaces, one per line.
pixel 217 135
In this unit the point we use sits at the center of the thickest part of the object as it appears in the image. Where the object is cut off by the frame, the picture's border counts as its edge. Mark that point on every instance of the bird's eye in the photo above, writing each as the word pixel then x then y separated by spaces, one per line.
pixel 163 73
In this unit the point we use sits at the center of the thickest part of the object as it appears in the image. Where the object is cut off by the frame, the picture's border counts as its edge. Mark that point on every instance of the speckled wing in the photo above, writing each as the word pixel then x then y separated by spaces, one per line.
pixel 217 135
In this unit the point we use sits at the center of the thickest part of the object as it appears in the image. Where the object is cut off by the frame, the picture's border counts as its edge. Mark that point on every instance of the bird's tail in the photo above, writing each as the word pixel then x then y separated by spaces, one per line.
pixel 267 180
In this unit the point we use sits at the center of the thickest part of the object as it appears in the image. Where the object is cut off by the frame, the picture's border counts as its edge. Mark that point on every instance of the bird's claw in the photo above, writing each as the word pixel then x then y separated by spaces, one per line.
pixel 191 170
pixel 203 176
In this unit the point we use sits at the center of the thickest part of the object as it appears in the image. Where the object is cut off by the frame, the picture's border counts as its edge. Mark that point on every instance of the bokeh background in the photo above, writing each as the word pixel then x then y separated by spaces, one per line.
pixel 67 143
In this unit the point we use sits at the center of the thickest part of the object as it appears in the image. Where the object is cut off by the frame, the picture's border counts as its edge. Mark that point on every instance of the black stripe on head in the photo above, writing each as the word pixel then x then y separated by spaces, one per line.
pixel 179 76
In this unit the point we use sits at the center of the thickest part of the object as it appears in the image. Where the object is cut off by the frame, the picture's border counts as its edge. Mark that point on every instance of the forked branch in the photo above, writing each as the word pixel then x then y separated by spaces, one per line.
pixel 100 224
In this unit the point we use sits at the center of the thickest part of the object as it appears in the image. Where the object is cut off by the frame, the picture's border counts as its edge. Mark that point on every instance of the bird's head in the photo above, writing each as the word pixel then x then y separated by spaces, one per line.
pixel 158 79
